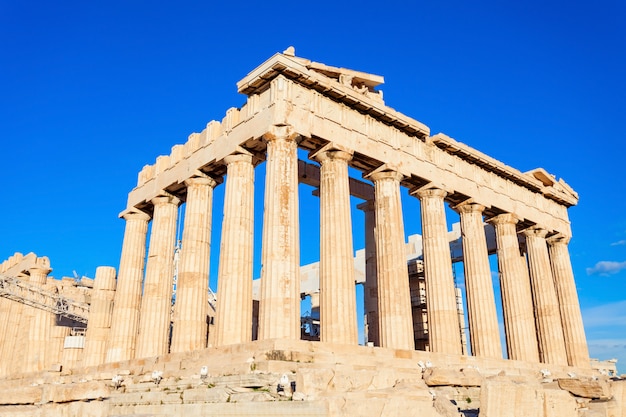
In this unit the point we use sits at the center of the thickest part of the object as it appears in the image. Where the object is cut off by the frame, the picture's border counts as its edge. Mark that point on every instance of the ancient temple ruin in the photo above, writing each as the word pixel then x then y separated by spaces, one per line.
pixel 135 342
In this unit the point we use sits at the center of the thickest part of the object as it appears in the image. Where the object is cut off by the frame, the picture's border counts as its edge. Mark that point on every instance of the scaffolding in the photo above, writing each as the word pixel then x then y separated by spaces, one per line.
pixel 35 296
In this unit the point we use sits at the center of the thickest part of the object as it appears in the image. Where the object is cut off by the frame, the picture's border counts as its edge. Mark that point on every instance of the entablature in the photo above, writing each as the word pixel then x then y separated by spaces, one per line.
pixel 287 102
pixel 353 88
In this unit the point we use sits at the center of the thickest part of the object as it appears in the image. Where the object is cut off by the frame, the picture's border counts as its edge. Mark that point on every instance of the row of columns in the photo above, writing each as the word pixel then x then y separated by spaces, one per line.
pixel 541 313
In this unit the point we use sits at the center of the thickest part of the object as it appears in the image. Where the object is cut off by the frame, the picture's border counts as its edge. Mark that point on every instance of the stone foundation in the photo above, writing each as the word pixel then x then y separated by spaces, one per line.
pixel 300 378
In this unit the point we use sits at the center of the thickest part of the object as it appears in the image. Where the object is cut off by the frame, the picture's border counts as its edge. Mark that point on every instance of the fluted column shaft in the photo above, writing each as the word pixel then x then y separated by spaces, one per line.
pixel 394 297
pixel 125 316
pixel 338 322
pixel 39 331
pixel 279 309
pixel 12 345
pixel 191 308
pixel 5 309
pixel 234 292
pixel 481 302
pixel 370 288
pixel 156 302
pixel 57 343
pixel 517 302
pixel 100 314
pixel 572 321
pixel 547 313
pixel 444 332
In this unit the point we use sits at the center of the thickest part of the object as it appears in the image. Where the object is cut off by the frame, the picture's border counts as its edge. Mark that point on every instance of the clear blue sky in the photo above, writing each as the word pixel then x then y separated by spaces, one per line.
pixel 92 91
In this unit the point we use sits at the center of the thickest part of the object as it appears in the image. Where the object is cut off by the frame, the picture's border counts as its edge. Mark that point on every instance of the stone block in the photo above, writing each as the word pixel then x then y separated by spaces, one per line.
pixel 500 397
pixel 205 395
pixel 348 381
pixel 253 396
pixel 126 398
pixel 618 403
pixel 161 397
pixel 21 395
pixel 559 403
pixel 597 389
pixel 445 407
pixel 381 403
pixel 598 409
pixel 84 409
pixel 467 377
pixel 76 392
pixel 312 381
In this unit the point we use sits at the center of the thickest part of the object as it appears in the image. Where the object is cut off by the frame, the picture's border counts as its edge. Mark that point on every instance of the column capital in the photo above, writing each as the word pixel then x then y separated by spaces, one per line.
pixel 280 133
pixel 331 151
pixel 239 157
pixel 429 193
pixel 165 198
pixel 504 218
pixel 200 180
pixel 40 269
pixel 559 239
pixel 535 231
pixel 469 207
pixel 136 214
pixel 384 175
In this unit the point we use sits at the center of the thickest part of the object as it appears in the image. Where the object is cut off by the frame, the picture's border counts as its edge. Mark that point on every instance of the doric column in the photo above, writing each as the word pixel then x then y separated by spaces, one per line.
pixel 338 322
pixel 57 342
pixel 156 302
pixel 233 322
pixel 370 288
pixel 517 302
pixel 40 328
pixel 16 326
pixel 100 313
pixel 19 355
pixel 547 314
pixel 394 298
pixel 279 309
pixel 444 332
pixel 481 303
pixel 5 309
pixel 191 308
pixel 125 317
pixel 571 318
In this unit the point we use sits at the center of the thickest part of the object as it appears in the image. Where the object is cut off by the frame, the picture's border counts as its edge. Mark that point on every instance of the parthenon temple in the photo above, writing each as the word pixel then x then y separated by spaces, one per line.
pixel 121 343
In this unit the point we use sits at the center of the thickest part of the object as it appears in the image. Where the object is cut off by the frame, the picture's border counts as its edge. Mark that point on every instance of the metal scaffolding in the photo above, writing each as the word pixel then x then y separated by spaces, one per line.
pixel 34 296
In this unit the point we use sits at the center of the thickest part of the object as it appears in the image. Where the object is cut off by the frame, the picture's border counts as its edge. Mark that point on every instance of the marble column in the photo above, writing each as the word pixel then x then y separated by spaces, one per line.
pixel 191 308
pixel 39 331
pixel 57 343
pixel 233 322
pixel 100 312
pixel 573 330
pixel 156 302
pixel 547 313
pixel 125 317
pixel 5 309
pixel 517 302
pixel 481 303
pixel 444 332
pixel 279 309
pixel 338 323
pixel 19 355
pixel 71 357
pixel 394 298
pixel 370 288
pixel 17 330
